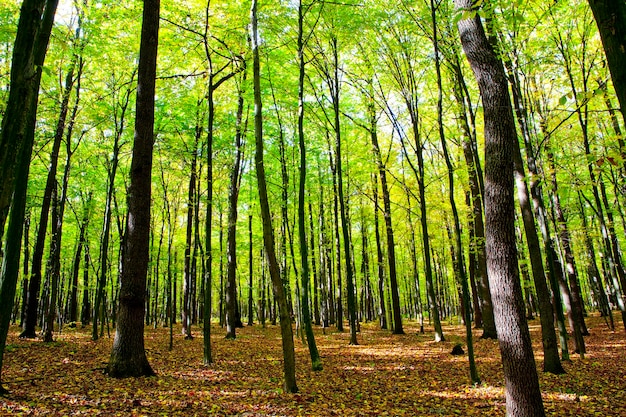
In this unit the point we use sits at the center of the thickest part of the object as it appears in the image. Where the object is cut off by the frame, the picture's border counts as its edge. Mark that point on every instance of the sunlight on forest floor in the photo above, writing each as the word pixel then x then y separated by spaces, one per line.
pixel 385 375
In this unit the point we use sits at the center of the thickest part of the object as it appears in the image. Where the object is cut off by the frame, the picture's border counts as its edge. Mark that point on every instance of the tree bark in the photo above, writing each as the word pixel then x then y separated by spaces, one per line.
pixel 29 51
pixel 391 251
pixel 457 251
pixel 128 356
pixel 551 362
pixel 610 16
pixel 380 261
pixel 523 397
pixel 232 318
pixel 316 362
pixel 289 360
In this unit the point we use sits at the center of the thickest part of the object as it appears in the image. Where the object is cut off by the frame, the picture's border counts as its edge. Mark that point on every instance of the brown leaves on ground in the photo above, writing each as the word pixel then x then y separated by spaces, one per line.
pixel 385 375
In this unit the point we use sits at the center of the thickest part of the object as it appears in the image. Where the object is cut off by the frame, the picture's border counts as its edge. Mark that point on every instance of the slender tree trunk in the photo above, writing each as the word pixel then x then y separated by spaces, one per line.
pixel 382 311
pixel 78 256
pixel 289 360
pixel 338 301
pixel 545 305
pixel 342 200
pixel 25 268
pixel 316 363
pixel 523 397
pixel 402 69
pixel 477 244
pixel 232 318
pixel 108 208
pixel 551 362
pixel 316 278
pixel 391 251
pixel 611 256
pixel 35 281
pixel 566 245
pixel 458 246
pixel 53 269
pixel 593 272
pixel 250 272
pixel 189 242
pixel 128 356
pixel 415 273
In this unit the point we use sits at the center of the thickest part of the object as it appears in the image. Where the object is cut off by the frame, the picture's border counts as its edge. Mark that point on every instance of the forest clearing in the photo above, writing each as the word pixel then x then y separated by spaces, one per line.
pixel 385 374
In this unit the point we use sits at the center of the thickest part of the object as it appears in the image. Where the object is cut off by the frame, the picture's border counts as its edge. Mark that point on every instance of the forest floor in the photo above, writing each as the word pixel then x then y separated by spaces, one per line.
pixel 384 375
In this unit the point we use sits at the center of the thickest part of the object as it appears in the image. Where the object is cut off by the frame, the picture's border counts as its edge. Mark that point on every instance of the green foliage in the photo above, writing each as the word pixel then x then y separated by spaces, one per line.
pixel 539 39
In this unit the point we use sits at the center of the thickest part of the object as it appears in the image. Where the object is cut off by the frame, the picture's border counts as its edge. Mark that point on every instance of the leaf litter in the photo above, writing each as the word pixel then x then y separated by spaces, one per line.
pixel 385 375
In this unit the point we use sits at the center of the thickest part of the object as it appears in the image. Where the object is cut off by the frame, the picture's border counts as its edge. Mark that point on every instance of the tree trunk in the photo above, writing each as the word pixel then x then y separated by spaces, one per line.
pixel 128 356
pixel 316 362
pixel 29 51
pixel 189 241
pixel 551 362
pixel 566 246
pixel 232 318
pixel 380 262
pixel 523 397
pixel 610 16
pixel 11 259
pixel 342 200
pixel 16 143
pixel 316 279
pixel 458 246
pixel 477 244
pixel 108 208
pixel 593 272
pixel 391 252
pixel 403 71
pixel 289 360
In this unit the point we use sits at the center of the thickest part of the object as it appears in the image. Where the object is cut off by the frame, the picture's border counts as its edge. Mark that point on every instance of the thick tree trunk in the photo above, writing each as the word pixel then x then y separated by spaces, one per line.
pixel 29 51
pixel 610 17
pixel 128 356
pixel 16 144
pixel 11 259
pixel 523 397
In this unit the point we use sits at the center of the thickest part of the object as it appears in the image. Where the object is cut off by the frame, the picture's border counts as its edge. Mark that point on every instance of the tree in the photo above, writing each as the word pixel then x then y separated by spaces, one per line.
pixel 458 245
pixel 289 360
pixel 316 363
pixel 402 64
pixel 128 356
pixel 523 397
pixel 29 51
pixel 610 17
pixel 16 143
pixel 233 319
